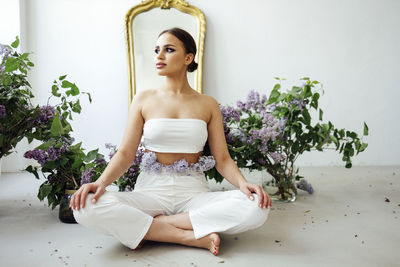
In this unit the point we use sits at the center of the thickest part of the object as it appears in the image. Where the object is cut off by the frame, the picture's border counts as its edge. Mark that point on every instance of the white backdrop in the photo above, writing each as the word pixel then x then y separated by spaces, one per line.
pixel 352 47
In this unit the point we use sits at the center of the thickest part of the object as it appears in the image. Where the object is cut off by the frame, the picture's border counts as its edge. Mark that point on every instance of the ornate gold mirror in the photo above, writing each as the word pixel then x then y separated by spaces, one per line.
pixel 143 23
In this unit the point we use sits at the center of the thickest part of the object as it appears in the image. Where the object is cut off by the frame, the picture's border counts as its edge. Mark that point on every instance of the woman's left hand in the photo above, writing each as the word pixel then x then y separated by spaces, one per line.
pixel 264 200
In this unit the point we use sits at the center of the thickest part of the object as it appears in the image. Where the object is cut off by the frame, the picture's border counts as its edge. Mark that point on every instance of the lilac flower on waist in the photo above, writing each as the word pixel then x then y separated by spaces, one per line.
pixel 150 163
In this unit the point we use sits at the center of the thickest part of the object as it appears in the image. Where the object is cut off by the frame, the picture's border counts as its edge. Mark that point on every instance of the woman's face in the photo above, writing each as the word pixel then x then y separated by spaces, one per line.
pixel 170 55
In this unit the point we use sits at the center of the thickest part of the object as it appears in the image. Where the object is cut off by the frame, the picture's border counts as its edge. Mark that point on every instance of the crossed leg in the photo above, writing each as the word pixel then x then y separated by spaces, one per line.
pixel 178 229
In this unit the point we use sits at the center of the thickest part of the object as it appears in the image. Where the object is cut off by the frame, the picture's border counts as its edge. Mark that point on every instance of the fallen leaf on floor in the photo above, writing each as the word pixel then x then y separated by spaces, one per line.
pixel 277 241
pixel 307 211
pixel 386 199
pixel 355 235
pixel 221 261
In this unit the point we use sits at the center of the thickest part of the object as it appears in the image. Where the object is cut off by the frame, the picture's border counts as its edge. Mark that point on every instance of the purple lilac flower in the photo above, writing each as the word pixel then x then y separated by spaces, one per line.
pixel 51 178
pixel 271 107
pixel 2 111
pixel 268 118
pixel 282 124
pixel 298 103
pixel 241 105
pixel 113 149
pixel 205 163
pixel 45 114
pixel 87 176
pixel 180 165
pixel 128 188
pixel 100 161
pixel 229 138
pixel 43 156
pixel 262 161
pixel 239 134
pixel 138 158
pixel 277 157
pixel 304 185
pixel 149 162
pixel 229 113
pixel 37 154
pixel 254 102
pixel 5 52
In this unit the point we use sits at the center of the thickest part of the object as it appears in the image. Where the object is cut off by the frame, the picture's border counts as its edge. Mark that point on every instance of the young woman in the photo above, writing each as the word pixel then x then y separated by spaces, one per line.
pixel 171 201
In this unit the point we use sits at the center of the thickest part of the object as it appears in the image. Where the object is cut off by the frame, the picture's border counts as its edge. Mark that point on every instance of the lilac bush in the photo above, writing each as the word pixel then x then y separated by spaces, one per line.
pixel 269 133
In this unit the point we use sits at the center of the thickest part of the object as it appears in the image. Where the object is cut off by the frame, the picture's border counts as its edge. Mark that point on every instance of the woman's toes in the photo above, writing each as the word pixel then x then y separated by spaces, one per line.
pixel 215 241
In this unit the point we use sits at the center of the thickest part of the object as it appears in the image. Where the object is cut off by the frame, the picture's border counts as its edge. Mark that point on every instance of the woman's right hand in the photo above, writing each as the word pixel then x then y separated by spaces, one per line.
pixel 79 197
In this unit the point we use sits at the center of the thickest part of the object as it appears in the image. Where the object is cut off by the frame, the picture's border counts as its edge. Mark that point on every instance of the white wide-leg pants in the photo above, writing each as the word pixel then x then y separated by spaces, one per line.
pixel 128 215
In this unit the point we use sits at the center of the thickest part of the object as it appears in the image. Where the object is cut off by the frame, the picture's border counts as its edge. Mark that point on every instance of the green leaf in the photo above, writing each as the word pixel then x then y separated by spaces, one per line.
pixel 320 114
pixel 15 43
pixel 365 129
pixel 238 149
pixel 54 90
pixel 74 90
pixel 90 97
pixel 76 107
pixel 62 77
pixel 77 162
pixel 66 84
pixel 11 65
pixel 307 117
pixel 45 146
pixel 363 147
pixel 351 134
pixel 91 155
pixel 56 126
pixel 314 102
pixel 32 170
pixel 44 191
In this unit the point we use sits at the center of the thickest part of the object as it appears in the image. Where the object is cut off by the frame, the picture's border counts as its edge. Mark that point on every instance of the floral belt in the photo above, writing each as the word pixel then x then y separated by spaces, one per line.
pixel 149 163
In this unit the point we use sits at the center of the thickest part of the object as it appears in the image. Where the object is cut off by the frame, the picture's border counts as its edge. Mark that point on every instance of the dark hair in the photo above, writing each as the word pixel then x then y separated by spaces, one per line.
pixel 188 43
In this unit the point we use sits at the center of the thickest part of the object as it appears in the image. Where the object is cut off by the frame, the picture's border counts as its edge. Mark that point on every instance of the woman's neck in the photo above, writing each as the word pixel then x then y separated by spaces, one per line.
pixel 176 85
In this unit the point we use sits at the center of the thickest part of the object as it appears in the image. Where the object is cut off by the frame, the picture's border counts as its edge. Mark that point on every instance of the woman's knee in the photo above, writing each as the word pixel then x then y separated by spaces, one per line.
pixel 92 211
pixel 254 215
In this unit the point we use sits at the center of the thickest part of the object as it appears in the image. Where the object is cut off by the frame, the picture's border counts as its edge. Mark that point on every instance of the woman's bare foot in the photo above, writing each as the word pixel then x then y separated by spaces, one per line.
pixel 210 242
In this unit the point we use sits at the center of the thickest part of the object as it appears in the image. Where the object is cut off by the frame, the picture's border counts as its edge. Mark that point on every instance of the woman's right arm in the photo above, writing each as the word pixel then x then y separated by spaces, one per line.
pixel 121 161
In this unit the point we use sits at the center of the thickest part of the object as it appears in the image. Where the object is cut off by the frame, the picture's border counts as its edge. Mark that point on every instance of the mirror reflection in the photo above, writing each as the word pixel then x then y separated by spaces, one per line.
pixel 146 28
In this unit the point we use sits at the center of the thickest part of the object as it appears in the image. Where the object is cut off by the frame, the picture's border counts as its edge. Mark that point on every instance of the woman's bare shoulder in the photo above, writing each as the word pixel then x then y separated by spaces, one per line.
pixel 141 96
pixel 209 100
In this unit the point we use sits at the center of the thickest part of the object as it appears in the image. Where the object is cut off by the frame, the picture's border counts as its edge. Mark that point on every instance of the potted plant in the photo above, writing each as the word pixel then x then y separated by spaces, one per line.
pixel 270 133
pixel 64 165
pixel 15 97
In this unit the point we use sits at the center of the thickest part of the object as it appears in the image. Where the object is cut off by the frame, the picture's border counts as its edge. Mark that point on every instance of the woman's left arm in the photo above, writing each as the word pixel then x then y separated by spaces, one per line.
pixel 223 161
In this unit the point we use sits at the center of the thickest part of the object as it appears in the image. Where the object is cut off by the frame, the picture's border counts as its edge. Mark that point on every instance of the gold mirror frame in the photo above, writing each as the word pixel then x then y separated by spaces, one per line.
pixel 181 5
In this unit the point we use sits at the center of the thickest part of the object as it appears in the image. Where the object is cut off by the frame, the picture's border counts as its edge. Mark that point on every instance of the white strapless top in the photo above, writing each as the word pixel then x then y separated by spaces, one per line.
pixel 175 135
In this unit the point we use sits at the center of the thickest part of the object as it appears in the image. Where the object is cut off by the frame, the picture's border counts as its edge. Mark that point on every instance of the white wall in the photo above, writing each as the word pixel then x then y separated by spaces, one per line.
pixel 349 46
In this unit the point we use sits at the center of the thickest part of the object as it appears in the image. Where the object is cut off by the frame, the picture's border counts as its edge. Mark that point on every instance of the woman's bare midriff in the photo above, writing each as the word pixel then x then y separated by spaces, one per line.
pixel 170 158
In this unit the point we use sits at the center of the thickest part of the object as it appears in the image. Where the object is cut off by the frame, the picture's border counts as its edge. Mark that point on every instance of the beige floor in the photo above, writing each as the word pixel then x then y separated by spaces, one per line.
pixel 346 222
